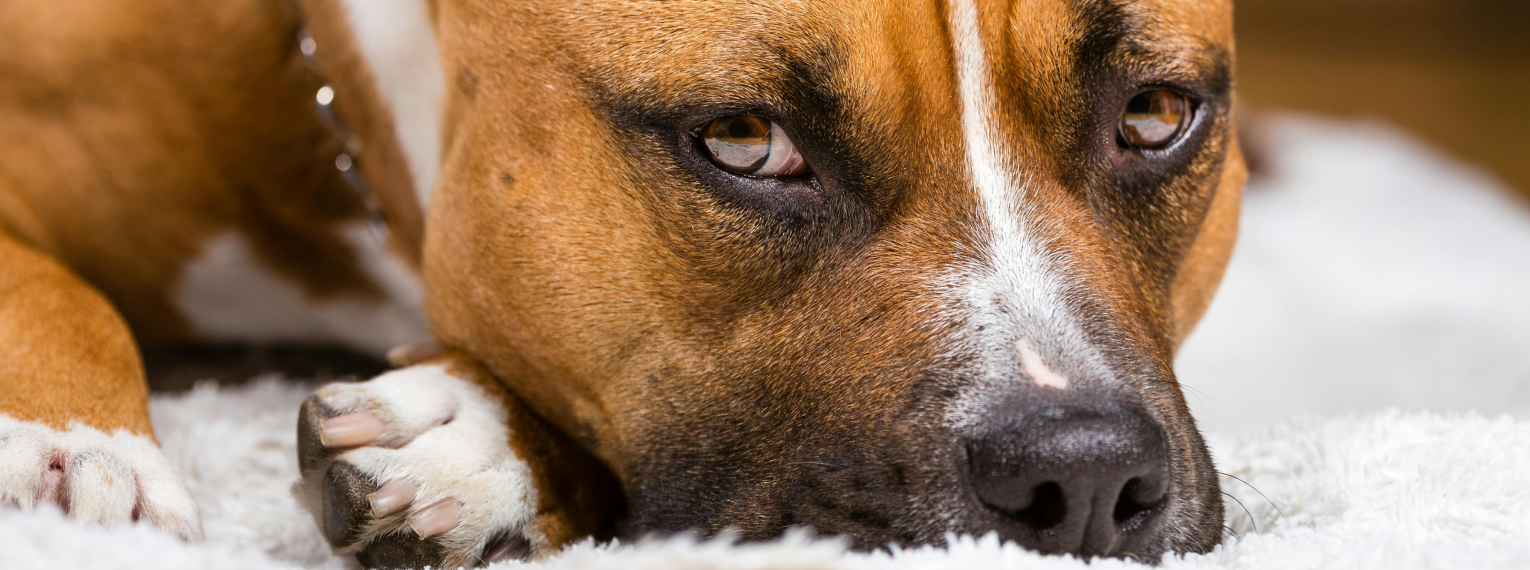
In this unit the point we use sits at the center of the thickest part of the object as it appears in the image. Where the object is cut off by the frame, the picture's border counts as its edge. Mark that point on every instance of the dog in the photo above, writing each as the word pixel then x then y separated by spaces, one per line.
pixel 883 269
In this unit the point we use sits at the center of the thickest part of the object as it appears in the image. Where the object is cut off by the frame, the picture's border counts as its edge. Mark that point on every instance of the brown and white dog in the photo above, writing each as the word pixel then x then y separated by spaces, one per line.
pixel 890 269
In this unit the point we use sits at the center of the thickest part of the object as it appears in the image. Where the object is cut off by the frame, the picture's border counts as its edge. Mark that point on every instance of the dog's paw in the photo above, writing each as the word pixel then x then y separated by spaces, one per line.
pixel 414 468
pixel 100 478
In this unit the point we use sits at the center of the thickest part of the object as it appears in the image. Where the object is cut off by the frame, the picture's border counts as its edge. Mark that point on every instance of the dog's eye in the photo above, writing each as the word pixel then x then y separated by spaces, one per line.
pixel 1154 119
pixel 751 145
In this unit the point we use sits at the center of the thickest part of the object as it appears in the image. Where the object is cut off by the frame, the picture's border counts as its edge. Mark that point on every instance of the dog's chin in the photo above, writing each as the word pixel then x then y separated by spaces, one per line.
pixel 867 531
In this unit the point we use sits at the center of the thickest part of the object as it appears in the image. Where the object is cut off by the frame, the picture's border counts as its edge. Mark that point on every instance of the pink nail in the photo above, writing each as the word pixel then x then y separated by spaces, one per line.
pixel 350 430
pixel 436 519
pixel 513 548
pixel 412 354
pixel 391 497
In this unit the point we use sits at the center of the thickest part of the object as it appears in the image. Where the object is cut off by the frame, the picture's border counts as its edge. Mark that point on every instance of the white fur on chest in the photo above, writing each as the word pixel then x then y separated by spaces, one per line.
pixel 398 42
pixel 228 296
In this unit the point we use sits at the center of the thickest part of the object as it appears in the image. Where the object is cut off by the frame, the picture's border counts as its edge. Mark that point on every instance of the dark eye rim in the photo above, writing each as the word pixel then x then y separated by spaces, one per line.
pixel 1191 123
pixel 798 196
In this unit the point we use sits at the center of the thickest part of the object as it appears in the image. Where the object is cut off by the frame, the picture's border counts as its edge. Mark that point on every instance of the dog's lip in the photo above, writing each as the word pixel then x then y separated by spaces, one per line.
pixel 965 513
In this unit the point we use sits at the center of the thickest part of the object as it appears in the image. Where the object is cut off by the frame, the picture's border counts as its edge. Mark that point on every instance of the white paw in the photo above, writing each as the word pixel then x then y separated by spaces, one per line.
pixel 107 479
pixel 415 468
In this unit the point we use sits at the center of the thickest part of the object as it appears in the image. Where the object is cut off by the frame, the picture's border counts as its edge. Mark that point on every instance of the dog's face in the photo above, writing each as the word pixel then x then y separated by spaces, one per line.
pixel 888 269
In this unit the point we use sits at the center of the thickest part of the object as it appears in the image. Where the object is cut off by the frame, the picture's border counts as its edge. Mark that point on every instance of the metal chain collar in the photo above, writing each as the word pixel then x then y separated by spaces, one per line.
pixel 350 153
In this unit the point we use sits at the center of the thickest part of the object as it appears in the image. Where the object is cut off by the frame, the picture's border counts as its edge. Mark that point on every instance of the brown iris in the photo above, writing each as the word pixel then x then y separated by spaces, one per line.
pixel 747 144
pixel 1155 119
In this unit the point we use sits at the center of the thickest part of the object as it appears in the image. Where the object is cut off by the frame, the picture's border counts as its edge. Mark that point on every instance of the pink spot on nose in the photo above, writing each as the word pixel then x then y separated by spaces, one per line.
pixel 1039 372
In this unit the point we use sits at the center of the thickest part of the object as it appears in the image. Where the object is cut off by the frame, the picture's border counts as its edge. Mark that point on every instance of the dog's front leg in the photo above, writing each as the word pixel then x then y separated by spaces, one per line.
pixel 436 464
pixel 74 404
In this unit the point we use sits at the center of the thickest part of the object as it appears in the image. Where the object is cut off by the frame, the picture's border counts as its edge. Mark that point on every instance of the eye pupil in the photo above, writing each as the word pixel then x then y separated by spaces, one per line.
pixel 1140 104
pixel 739 128
pixel 1154 119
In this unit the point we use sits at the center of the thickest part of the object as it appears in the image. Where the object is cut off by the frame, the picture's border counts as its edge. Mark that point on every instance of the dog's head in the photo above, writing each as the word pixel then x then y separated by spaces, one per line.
pixel 887 269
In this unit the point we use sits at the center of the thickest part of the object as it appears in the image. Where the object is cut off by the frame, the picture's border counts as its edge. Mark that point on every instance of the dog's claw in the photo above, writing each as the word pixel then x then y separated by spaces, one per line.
pixel 437 518
pixel 350 430
pixel 415 469
pixel 392 496
pixel 507 547
pixel 412 354
pixel 346 490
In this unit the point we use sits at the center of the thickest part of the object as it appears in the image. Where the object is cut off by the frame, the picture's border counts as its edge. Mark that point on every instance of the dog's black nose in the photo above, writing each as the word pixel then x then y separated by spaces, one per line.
pixel 1086 482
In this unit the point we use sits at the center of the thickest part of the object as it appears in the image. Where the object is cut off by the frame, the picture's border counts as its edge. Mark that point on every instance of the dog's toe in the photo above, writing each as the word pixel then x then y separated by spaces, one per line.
pixel 95 477
pixel 351 503
pixel 347 511
pixel 402 550
pixel 415 469
pixel 310 449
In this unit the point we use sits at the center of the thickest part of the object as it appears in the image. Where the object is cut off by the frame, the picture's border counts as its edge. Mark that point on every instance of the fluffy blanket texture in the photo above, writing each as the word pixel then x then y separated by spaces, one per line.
pixel 1373 273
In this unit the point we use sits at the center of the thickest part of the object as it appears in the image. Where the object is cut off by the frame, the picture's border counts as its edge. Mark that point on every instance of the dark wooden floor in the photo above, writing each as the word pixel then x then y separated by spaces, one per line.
pixel 1456 72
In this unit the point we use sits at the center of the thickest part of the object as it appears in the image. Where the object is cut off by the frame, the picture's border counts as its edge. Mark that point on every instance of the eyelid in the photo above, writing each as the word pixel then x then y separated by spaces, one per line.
pixel 700 118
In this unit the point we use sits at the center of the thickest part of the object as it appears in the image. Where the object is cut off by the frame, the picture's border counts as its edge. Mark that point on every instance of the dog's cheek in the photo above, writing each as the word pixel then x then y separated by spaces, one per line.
pixel 1201 271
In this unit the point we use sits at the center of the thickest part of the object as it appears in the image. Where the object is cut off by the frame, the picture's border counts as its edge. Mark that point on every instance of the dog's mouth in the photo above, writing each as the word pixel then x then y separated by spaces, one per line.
pixel 1093 482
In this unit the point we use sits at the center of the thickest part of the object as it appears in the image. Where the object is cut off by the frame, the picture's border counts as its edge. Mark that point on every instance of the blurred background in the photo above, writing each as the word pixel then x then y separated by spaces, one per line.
pixel 1384 253
pixel 1456 72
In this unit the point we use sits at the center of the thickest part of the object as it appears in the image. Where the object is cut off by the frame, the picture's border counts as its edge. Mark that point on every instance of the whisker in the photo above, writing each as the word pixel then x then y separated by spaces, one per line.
pixel 1261 494
pixel 1245 511
pixel 1208 397
pixel 1229 530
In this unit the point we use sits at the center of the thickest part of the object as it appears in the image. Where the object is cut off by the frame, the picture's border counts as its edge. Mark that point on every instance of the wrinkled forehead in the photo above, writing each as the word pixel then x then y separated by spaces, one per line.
pixel 666 55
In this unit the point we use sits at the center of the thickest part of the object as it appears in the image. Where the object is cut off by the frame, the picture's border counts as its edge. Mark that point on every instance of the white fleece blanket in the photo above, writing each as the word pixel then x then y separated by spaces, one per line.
pixel 1372 273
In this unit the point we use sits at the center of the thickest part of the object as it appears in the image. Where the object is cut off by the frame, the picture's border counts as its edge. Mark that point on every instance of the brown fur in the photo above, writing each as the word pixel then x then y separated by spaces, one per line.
pixel 657 313
pixel 626 297
pixel 118 161
pixel 67 354
pixel 1207 260
pixel 123 162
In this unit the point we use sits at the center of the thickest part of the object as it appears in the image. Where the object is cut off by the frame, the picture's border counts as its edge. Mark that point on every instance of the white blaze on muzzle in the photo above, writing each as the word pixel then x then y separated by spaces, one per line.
pixel 1037 370
pixel 1014 297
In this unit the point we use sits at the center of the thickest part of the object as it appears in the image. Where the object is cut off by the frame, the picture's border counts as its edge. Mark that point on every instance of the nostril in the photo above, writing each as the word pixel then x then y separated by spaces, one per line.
pixel 1074 480
pixel 1137 498
pixel 1048 507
